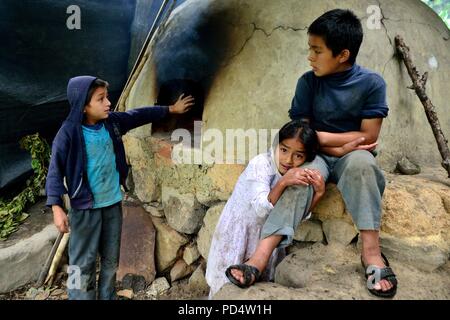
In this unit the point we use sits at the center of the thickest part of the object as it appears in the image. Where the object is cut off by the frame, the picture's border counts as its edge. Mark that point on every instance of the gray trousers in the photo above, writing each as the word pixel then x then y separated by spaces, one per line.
pixel 94 231
pixel 359 180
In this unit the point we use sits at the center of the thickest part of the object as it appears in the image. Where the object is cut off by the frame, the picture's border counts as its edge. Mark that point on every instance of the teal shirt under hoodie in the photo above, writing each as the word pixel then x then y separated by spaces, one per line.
pixel 102 174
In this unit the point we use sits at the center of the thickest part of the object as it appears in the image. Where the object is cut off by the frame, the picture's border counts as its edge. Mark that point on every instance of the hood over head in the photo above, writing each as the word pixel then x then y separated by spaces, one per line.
pixel 77 91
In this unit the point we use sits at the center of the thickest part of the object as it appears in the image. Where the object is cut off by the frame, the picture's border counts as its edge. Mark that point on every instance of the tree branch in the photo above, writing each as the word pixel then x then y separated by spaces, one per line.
pixel 418 86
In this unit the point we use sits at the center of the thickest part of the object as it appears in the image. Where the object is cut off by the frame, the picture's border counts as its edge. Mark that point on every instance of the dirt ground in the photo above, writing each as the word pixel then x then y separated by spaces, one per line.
pixel 179 291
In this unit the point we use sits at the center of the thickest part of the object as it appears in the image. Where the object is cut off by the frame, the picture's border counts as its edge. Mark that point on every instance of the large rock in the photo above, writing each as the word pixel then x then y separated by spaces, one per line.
pixel 183 212
pixel 331 206
pixel 168 244
pixel 339 231
pixel 197 281
pixel 309 231
pixel 142 168
pixel 24 253
pixel 424 253
pixel 270 38
pixel 137 249
pixel 207 231
pixel 335 272
pixel 416 206
pixel 311 264
pixel 22 262
pixel 218 184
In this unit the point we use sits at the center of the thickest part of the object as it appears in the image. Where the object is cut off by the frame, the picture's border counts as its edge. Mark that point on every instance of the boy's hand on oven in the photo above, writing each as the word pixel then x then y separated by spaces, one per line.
pixel 183 104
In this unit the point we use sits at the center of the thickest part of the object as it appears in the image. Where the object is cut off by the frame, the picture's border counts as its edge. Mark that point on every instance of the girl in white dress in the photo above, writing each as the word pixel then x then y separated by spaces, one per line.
pixel 237 238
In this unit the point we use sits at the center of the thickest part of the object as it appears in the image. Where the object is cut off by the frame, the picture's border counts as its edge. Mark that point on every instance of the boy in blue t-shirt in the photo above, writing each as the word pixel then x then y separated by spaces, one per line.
pixel 89 154
pixel 345 104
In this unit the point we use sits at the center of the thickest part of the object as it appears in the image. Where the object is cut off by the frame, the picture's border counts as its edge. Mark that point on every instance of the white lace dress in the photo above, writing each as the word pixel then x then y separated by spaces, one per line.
pixel 237 232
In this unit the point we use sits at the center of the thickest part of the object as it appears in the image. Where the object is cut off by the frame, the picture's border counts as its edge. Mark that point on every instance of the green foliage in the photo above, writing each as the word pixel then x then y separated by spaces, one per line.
pixel 12 211
pixel 442 8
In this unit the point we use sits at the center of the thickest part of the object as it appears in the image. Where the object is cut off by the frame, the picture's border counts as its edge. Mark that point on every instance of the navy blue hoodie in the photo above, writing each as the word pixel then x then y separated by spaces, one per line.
pixel 68 158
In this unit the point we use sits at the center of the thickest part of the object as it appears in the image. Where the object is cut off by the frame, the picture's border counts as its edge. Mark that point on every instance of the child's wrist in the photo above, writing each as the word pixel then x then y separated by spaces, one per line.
pixel 320 194
pixel 282 183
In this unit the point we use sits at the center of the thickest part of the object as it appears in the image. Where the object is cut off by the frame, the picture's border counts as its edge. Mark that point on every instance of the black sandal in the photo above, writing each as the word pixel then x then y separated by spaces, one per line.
pixel 384 273
pixel 248 272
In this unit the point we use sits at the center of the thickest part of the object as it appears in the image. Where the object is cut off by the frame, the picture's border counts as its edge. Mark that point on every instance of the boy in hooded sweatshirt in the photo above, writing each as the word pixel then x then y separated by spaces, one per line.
pixel 88 153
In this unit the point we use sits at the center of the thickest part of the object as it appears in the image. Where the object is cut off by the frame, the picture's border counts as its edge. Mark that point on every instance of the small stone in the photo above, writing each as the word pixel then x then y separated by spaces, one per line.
pixel 191 254
pixel 158 287
pixel 329 269
pixel 405 166
pixel 180 270
pixel 31 293
pixel 134 282
pixel 127 293
pixel 155 209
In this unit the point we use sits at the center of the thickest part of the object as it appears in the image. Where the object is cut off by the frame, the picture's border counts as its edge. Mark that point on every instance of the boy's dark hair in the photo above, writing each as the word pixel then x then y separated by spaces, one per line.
pixel 299 129
pixel 340 30
pixel 97 83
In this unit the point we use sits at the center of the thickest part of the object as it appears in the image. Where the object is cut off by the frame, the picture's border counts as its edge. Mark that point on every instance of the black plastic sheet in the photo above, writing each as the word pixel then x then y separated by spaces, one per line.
pixel 40 53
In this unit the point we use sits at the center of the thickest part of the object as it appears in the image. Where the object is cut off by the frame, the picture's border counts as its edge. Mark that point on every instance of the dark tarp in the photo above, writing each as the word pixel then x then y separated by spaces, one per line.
pixel 39 54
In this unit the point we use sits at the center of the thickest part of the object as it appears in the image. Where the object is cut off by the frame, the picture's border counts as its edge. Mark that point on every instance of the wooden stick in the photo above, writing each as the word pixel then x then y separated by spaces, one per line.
pixel 57 259
pixel 419 83
pixel 45 269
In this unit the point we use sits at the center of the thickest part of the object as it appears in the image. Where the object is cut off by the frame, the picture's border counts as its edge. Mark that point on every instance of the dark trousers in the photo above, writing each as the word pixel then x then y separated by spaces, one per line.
pixel 92 232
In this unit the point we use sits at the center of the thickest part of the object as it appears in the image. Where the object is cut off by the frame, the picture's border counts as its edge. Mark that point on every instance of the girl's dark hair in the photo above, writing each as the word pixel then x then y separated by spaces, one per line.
pixel 299 129
pixel 97 83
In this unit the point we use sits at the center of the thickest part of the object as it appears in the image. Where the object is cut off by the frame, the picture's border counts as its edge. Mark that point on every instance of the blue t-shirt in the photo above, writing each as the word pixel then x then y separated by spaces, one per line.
pixel 102 173
pixel 339 102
